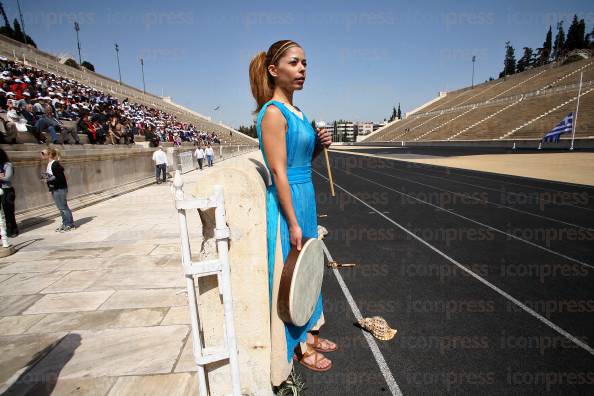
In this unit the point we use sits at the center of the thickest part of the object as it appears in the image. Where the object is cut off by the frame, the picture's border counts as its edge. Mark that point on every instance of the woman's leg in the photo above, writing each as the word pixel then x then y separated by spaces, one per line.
pixel 60 199
pixel 8 199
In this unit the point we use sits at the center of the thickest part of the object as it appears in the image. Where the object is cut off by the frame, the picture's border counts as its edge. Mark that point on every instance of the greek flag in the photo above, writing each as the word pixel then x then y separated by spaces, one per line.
pixel 563 127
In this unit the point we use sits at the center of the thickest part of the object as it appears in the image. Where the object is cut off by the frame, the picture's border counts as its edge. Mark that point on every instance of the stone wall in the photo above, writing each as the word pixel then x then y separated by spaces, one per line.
pixel 243 181
pixel 94 173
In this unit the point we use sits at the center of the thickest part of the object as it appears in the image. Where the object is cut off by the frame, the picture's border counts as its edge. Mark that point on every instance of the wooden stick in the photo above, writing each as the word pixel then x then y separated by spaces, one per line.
pixel 329 172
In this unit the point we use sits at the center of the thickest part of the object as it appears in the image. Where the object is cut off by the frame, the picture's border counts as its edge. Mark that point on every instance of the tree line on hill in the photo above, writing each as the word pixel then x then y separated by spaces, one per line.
pixel 396 114
pixel 551 50
pixel 16 33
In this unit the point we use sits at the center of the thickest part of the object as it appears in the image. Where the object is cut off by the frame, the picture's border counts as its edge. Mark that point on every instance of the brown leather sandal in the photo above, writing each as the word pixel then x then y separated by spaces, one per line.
pixel 314 366
pixel 318 346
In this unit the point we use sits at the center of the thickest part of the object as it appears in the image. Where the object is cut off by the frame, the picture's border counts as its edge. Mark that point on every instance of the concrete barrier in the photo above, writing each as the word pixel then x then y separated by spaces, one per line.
pixel 243 181
pixel 94 173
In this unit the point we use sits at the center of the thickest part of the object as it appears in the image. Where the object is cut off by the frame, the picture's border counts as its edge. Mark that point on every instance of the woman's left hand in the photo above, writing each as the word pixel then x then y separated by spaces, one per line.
pixel 325 137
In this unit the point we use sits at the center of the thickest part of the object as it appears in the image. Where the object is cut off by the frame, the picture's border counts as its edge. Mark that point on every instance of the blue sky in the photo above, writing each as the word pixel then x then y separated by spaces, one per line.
pixel 363 57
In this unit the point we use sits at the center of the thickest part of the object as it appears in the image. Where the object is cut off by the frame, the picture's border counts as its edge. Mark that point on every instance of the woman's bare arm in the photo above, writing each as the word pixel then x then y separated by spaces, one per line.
pixel 324 140
pixel 274 128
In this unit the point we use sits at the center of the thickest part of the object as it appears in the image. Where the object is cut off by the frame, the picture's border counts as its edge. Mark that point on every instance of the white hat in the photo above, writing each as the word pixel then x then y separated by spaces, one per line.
pixel 10 94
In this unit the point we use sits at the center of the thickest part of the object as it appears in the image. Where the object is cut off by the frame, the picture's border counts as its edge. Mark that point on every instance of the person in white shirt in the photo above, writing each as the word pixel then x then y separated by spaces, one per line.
pixel 160 159
pixel 209 155
pixel 199 153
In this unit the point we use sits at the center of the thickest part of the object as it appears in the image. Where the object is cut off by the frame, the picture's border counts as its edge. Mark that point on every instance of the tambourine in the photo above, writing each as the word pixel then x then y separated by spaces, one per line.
pixel 301 282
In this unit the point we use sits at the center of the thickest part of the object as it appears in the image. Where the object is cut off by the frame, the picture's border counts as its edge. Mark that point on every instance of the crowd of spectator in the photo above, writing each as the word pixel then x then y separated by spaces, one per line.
pixel 35 101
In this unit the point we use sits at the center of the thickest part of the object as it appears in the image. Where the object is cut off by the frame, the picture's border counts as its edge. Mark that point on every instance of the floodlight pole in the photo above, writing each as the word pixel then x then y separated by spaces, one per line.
pixel 117 49
pixel 22 22
pixel 473 60
pixel 142 68
pixel 77 28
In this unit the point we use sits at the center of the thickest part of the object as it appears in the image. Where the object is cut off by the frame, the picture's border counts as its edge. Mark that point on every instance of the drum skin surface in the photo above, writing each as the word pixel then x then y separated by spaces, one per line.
pixel 301 282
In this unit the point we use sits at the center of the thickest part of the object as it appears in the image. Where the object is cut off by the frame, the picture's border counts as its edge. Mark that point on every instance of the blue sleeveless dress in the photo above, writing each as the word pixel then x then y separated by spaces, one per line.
pixel 300 140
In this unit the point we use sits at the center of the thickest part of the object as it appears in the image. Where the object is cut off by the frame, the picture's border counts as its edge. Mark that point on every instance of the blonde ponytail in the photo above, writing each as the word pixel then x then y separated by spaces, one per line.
pixel 52 153
pixel 261 81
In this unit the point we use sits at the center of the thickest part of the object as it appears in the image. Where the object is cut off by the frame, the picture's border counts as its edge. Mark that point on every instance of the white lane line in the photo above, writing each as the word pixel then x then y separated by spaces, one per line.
pixel 474 221
pixel 517 302
pixel 484 200
pixel 431 166
pixel 494 189
pixel 379 358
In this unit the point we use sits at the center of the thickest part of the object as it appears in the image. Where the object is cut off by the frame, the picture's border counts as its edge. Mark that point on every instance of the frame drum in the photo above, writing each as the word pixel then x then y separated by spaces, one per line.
pixel 301 282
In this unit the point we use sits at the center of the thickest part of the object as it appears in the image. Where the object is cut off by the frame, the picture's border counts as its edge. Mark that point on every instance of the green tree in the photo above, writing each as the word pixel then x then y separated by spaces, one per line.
pixel 15 33
pixel 559 41
pixel 87 65
pixel 575 35
pixel 583 43
pixel 393 115
pixel 399 112
pixel 590 39
pixel 509 64
pixel 6 29
pixel 248 130
pixel 525 61
pixel 544 53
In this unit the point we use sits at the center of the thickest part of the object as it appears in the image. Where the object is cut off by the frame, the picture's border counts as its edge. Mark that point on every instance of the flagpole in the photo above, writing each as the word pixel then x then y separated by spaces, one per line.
pixel 576 111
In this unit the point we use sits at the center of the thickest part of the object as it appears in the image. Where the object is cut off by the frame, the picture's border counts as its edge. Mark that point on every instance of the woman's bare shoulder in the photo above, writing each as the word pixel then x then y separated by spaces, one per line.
pixel 273 116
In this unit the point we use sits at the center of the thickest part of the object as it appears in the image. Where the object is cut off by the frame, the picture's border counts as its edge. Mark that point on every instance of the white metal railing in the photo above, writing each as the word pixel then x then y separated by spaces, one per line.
pixel 186 161
pixel 219 267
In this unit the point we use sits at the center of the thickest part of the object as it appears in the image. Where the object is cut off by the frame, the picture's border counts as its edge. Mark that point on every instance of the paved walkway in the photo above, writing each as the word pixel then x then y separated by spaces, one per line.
pixel 100 310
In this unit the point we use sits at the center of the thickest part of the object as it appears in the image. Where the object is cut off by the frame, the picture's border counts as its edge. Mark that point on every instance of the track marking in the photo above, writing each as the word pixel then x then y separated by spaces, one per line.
pixel 379 358
pixel 430 166
pixel 484 200
pixel 485 282
pixel 474 221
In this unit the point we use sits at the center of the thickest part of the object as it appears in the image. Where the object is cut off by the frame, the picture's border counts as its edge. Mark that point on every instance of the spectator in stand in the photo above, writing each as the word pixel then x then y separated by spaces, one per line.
pixel 160 159
pixel 58 187
pixel 8 194
pixel 16 123
pixel 199 153
pixel 69 100
pixel 87 128
pixel 209 155
pixel 32 119
pixel 3 100
pixel 49 123
pixel 116 130
pixel 151 136
pixel 38 107
pixel 131 130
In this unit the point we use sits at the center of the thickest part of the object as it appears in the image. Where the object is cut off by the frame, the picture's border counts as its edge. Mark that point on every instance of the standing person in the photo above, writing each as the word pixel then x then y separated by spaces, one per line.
pixel 209 155
pixel 289 144
pixel 199 153
pixel 160 159
pixel 8 197
pixel 116 130
pixel 58 187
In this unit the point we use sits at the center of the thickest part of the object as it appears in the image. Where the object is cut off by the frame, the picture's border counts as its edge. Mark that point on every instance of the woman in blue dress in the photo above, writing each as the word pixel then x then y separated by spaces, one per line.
pixel 289 144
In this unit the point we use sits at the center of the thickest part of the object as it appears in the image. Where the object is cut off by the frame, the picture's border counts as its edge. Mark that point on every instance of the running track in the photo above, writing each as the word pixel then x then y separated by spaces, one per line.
pixel 487 278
